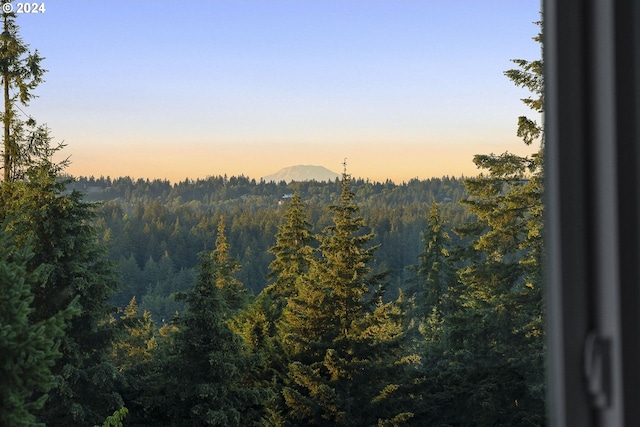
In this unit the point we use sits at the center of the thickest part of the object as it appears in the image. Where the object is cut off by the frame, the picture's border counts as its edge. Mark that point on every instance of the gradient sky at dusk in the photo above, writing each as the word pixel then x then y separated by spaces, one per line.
pixel 175 89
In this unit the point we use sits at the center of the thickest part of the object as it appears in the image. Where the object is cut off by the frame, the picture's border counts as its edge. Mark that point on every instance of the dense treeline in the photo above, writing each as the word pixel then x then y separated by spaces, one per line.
pixel 220 302
pixel 155 230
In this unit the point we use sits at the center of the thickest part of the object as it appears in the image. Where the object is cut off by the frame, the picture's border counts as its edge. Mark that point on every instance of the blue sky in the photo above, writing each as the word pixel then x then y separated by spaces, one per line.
pixel 175 89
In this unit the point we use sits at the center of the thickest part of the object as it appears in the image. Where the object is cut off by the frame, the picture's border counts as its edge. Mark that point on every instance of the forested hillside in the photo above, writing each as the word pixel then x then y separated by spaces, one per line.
pixel 231 302
pixel 154 230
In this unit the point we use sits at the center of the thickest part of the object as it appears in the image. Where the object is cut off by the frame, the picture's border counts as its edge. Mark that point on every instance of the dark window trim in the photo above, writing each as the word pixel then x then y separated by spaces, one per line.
pixel 592 192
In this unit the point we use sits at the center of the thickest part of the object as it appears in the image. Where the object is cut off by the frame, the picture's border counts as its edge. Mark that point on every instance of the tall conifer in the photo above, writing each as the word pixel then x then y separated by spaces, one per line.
pixel 135 354
pixel 433 266
pixel 206 370
pixel 74 266
pixel 39 210
pixel 222 268
pixel 437 282
pixel 257 324
pixel 337 332
pixel 28 349
pixel 21 73
pixel 503 281
pixel 292 250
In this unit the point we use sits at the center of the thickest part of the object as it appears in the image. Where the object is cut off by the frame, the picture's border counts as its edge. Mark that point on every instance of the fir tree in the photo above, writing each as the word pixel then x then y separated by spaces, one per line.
pixel 435 270
pixel 293 255
pixel 28 349
pixel 21 72
pixel 292 250
pixel 149 386
pixel 436 291
pixel 222 268
pixel 257 323
pixel 136 339
pixel 116 419
pixel 206 370
pixel 134 350
pixel 338 333
pixel 74 266
pixel 503 280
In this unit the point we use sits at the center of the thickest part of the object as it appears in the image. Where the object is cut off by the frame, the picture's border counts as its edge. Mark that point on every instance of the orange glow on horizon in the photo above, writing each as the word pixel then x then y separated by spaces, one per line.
pixel 377 162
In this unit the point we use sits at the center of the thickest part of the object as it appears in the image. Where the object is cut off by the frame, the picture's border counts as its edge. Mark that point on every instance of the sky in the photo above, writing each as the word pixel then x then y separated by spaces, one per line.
pixel 402 89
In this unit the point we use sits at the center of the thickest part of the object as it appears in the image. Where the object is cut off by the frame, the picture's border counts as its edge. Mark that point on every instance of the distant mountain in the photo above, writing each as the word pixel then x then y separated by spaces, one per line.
pixel 302 173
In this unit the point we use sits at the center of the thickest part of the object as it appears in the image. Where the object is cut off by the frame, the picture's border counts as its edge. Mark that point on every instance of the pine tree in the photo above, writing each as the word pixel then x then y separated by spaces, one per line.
pixel 28 349
pixel 257 323
pixel 337 332
pixel 74 266
pixel 149 387
pixel 503 280
pixel 293 255
pixel 206 381
pixel 292 250
pixel 135 349
pixel 436 293
pixel 136 341
pixel 222 270
pixel 435 270
pixel 116 419
pixel 21 73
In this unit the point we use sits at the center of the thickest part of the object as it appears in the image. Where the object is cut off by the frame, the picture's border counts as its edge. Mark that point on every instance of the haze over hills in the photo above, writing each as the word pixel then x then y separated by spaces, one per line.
pixel 302 173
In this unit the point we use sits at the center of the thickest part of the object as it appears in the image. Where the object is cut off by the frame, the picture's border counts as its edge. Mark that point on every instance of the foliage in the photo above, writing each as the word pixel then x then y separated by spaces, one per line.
pixel 503 279
pixel 222 269
pixel 137 339
pixel 55 224
pixel 340 331
pixel 257 324
pixel 73 266
pixel 292 250
pixel 25 143
pixel 28 349
pixel 155 229
pixel 116 419
pixel 335 333
pixel 205 369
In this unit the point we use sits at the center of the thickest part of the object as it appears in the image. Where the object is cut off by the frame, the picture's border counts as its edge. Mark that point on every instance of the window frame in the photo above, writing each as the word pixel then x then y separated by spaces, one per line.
pixel 592 193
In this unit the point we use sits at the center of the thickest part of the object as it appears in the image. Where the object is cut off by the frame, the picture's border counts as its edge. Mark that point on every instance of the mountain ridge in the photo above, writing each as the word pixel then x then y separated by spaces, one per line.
pixel 302 173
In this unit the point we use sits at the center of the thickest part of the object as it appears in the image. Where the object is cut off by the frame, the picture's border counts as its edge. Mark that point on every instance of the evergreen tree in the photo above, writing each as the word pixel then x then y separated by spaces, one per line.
pixel 136 341
pixel 206 371
pixel 74 266
pixel 116 419
pixel 257 323
pixel 149 386
pixel 222 270
pixel 503 281
pixel 338 334
pixel 21 72
pixel 28 349
pixel 292 250
pixel 135 353
pixel 436 292
pixel 435 270
pixel 435 327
